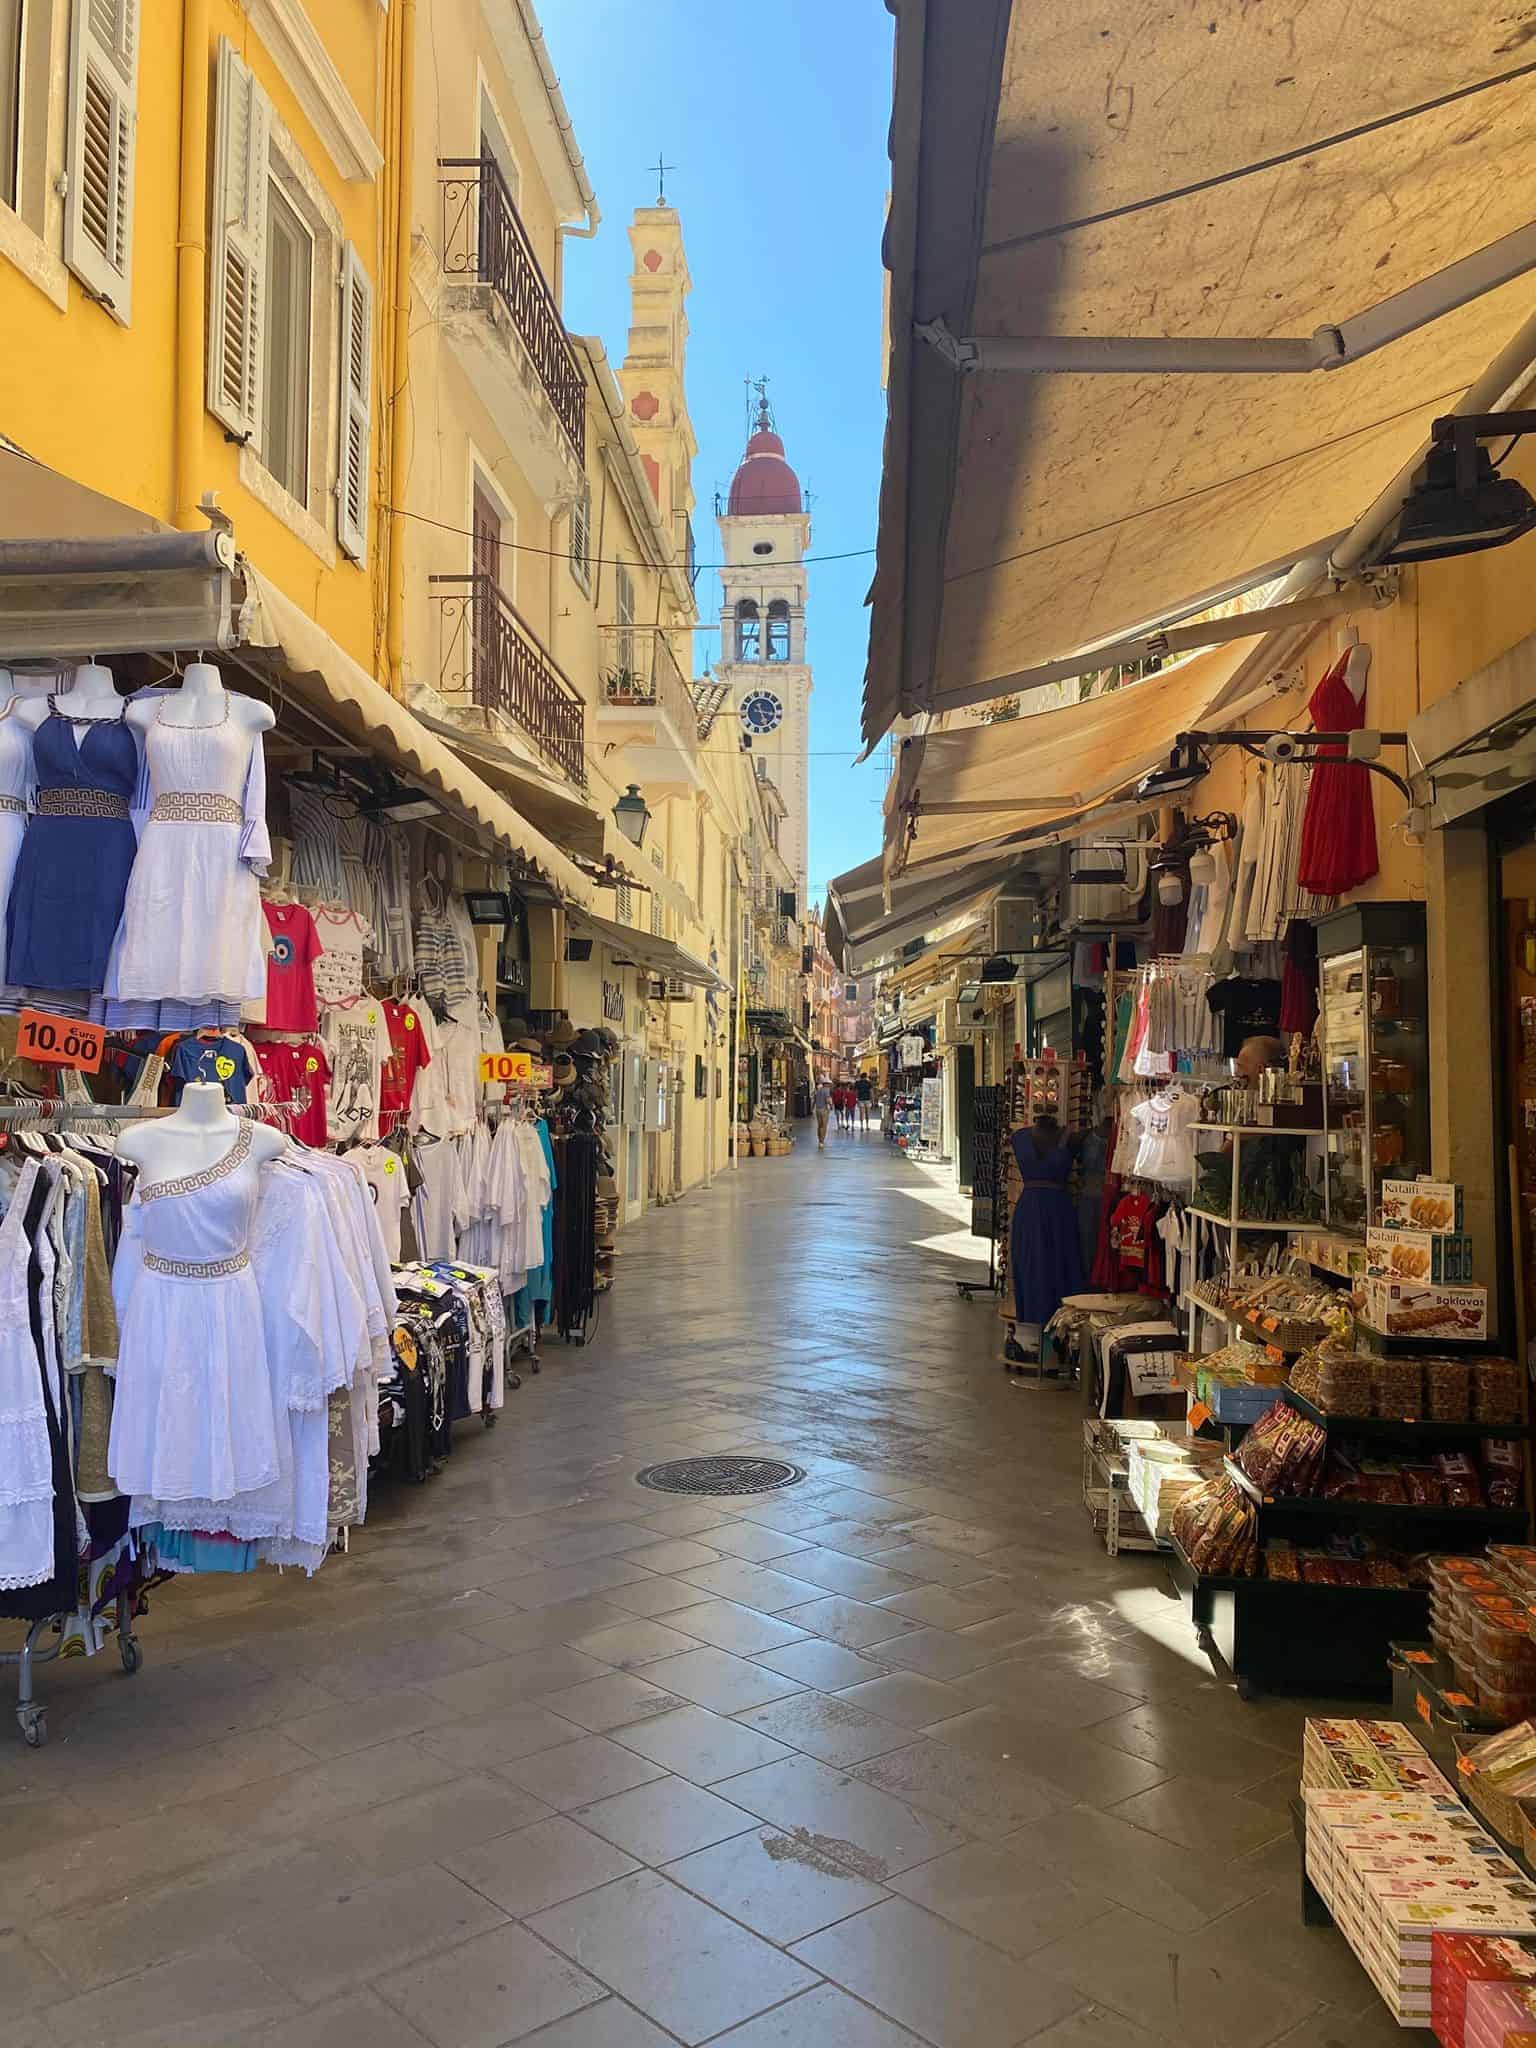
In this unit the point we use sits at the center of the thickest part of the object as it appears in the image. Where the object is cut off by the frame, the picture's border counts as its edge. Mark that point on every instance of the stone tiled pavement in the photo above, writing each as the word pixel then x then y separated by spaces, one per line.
pixel 896 1757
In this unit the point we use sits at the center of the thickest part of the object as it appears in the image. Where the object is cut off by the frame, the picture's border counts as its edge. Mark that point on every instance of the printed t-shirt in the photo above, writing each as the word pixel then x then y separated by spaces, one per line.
pixel 338 968
pixel 1166 1152
pixel 291 1004
pixel 408 1056
pixel 299 1074
pixel 357 1038
pixel 210 1059
pixel 384 1172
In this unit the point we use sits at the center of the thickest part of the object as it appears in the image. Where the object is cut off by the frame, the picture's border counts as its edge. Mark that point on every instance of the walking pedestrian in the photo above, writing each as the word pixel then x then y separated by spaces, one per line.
pixel 864 1093
pixel 821 1102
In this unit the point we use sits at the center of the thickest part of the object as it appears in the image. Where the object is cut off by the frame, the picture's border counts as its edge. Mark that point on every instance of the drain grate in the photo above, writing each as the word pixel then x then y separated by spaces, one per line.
pixel 720 1475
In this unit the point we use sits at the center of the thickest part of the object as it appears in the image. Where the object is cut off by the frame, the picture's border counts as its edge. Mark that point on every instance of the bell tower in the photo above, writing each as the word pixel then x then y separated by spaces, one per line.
pixel 765 533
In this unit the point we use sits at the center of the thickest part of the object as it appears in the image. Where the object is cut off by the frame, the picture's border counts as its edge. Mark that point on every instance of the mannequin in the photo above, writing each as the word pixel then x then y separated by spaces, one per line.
pixel 1357 667
pixel 195 1136
pixel 91 694
pixel 202 700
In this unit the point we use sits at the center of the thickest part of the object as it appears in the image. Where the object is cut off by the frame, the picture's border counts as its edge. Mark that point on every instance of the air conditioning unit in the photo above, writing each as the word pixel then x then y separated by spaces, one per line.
pixel 960 1023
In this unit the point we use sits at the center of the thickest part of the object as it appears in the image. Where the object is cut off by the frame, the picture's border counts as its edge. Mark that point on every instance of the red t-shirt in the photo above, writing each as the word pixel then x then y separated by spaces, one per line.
pixel 291 1004
pixel 410 1055
pixel 298 1074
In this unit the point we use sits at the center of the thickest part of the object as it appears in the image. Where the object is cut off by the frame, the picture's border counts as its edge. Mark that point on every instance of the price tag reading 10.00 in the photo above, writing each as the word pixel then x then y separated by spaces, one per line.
pixel 506 1066
pixel 59 1041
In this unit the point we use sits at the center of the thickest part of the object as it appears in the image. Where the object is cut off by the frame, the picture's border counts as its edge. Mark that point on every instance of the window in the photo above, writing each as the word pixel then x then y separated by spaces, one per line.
pixel 581 538
pixel 103 96
pixel 12 37
pixel 290 286
pixel 290 324
pixel 778 630
pixel 658 914
pixel 749 631
pixel 624 616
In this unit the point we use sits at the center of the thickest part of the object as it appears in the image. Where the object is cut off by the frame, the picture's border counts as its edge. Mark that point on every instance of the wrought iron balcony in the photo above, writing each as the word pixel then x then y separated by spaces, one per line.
pixel 485 240
pixel 640 668
pixel 492 656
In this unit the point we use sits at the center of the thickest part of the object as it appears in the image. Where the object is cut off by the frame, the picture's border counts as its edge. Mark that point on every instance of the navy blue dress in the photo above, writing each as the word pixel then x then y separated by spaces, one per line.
pixel 72 873
pixel 1045 1258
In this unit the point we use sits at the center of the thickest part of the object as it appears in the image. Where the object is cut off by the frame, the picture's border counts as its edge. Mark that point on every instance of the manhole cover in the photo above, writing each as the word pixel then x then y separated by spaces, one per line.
pixel 720 1475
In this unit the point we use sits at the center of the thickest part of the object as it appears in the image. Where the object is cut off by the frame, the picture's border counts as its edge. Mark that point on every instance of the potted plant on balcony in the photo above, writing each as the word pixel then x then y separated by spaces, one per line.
pixel 624 686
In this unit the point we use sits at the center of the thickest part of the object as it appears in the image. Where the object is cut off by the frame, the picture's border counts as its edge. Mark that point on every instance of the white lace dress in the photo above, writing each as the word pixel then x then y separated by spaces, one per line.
pixel 193 1422
pixel 192 926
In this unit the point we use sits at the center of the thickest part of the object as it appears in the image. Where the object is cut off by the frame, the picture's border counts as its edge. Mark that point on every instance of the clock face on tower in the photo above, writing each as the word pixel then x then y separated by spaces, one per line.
pixel 761 711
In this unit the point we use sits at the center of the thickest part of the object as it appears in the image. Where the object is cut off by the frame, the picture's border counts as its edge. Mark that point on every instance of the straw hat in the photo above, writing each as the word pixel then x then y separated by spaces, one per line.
pixel 532 1045
pixel 562 1034
pixel 564 1070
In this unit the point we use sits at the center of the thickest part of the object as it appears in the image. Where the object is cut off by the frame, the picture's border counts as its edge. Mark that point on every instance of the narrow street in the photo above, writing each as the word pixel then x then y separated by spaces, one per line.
pixel 897 1755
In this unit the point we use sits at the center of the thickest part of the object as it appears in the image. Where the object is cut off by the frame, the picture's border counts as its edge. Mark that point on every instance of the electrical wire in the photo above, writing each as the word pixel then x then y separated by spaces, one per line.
pixel 524 547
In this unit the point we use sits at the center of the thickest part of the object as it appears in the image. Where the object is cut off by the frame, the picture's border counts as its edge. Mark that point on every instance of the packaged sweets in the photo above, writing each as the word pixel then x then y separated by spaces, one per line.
pixel 1397 1389
pixel 1448 1389
pixel 1503 1473
pixel 1496 1390
pixel 1458 1475
pixel 1344 1382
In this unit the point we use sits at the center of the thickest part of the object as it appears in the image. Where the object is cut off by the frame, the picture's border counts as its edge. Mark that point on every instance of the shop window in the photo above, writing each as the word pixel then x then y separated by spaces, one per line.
pixel 778 630
pixel 749 631
pixel 290 287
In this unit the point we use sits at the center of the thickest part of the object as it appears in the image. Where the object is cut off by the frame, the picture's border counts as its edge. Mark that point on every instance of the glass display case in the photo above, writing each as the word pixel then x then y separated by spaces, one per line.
pixel 1373 1028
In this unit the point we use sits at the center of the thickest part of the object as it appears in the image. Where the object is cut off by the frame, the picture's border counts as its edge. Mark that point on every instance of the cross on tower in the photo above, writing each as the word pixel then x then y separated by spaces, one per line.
pixel 661 168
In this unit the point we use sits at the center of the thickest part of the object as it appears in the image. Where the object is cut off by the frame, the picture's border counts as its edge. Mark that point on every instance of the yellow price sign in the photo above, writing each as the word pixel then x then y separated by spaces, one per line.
pixel 506 1066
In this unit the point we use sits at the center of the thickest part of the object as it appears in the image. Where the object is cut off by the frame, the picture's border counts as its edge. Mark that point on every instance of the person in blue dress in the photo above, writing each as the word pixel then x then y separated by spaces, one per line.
pixel 1045 1258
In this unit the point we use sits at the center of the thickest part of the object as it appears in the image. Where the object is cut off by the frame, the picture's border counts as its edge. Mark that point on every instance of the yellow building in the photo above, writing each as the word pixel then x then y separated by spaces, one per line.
pixel 192 255
pixel 286 280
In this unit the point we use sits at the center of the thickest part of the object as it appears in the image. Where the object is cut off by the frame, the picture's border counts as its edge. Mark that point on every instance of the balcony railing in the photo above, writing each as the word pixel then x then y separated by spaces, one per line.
pixel 493 657
pixel 484 239
pixel 639 667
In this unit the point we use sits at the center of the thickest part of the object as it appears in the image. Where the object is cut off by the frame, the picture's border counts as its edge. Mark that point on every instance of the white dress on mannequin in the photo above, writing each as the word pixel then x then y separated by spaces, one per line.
pixel 191 928
pixel 193 1416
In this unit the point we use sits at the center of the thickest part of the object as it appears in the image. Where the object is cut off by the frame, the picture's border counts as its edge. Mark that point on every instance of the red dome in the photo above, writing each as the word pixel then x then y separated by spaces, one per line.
pixel 764 483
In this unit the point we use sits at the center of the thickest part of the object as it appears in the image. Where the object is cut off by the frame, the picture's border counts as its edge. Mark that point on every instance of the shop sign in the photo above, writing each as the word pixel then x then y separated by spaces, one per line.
pixel 613 1003
pixel 506 1066
pixel 542 1076
pixel 59 1041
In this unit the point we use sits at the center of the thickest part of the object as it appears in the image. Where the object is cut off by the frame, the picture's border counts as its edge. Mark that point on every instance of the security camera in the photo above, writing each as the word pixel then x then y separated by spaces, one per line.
pixel 1283 746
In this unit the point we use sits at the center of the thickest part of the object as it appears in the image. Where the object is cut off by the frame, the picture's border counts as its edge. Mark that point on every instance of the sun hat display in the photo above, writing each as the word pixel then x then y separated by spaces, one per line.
pixel 562 1034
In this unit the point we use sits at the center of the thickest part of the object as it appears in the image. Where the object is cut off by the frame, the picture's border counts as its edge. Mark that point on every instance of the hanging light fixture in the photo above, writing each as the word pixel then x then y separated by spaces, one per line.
pixel 1461 505
pixel 632 814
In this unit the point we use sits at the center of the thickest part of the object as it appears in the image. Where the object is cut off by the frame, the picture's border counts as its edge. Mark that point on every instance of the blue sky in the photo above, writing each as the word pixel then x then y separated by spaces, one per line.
pixel 775 118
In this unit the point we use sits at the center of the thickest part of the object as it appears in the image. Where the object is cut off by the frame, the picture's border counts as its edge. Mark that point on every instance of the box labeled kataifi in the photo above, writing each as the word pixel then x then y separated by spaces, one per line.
pixel 1442 1258
pixel 1433 1205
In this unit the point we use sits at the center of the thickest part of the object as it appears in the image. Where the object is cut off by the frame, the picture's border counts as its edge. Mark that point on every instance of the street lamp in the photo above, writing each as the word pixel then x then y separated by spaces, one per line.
pixel 632 814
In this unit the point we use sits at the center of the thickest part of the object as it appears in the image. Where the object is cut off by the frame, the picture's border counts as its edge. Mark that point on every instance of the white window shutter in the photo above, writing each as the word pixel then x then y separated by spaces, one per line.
pixel 237 248
pixel 103 96
pixel 356 406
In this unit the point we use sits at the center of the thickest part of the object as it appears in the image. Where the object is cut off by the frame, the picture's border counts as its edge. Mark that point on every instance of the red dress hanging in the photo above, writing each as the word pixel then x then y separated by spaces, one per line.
pixel 1338 830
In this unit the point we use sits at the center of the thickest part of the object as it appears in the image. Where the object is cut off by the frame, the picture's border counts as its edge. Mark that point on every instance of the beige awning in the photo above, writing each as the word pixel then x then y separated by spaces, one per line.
pixel 316 669
pixel 656 955
pixel 1014 779
pixel 559 812
pixel 870 919
pixel 1213 173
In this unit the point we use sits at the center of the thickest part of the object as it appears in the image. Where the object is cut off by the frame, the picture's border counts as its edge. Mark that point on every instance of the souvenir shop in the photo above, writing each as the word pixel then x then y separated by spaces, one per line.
pixel 293 1174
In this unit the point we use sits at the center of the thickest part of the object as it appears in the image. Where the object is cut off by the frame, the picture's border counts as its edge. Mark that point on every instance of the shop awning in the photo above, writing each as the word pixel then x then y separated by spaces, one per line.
pixel 574 824
pixel 82 575
pixel 658 956
pixel 288 644
pixel 1063 174
pixel 977 783
pixel 869 920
